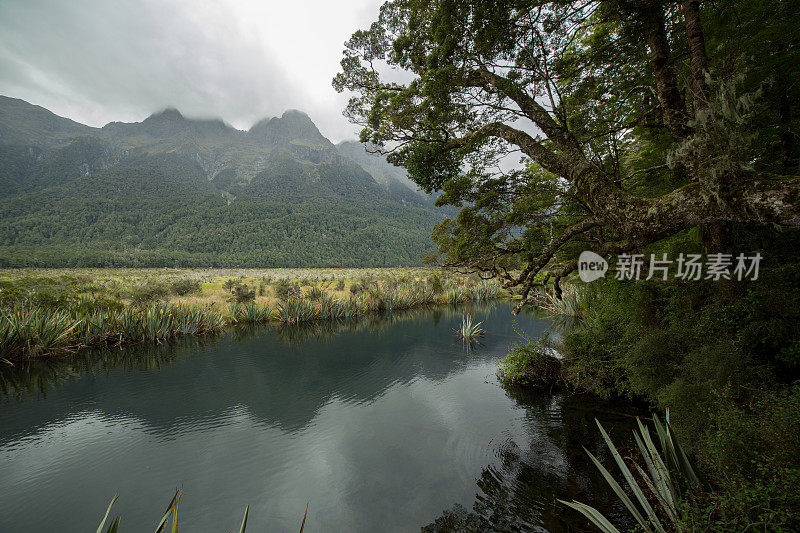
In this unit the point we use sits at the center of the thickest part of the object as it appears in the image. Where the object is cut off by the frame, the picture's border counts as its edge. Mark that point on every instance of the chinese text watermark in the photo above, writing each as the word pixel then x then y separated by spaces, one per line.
pixel 686 267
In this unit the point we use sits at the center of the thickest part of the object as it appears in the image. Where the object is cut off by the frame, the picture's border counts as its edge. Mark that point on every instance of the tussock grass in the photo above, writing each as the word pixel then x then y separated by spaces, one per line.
pixel 470 329
pixel 27 332
pixel 50 312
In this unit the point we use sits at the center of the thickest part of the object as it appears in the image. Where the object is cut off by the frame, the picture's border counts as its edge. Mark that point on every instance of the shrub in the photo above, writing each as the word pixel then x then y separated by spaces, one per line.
pixel 182 287
pixel 532 364
pixel 148 293
pixel 284 289
pixel 340 285
pixel 262 285
pixel 436 283
pixel 242 294
pixel 87 305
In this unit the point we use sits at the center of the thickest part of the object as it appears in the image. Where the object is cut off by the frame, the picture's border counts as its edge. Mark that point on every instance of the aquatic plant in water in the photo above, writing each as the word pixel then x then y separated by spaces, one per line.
pixel 469 329
pixel 666 471
pixel 172 512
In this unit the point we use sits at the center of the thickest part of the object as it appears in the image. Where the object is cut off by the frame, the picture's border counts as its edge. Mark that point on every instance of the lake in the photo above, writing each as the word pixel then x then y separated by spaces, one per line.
pixel 391 424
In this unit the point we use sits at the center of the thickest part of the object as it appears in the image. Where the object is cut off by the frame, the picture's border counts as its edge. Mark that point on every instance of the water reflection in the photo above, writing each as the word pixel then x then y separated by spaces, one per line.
pixel 380 425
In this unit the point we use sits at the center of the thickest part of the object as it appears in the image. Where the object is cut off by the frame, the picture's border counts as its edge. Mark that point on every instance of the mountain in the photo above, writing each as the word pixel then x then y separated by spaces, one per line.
pixel 392 178
pixel 178 191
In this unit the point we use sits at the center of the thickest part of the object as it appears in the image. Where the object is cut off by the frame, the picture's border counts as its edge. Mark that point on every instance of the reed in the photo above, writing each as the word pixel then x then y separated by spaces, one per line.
pixel 470 329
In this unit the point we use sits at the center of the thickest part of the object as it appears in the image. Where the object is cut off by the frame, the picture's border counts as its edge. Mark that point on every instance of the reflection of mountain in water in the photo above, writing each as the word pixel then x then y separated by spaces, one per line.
pixel 279 384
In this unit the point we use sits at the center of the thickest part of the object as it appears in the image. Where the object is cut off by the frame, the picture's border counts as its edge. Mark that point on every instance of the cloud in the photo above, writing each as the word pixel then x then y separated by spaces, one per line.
pixel 96 61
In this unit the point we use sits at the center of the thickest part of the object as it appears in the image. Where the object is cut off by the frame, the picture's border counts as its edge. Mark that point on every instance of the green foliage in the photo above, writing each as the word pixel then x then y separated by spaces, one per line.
pixel 315 293
pixel 569 305
pixel 285 289
pixel 172 511
pixel 667 476
pixel 436 283
pixel 28 332
pixel 532 364
pixel 148 293
pixel 754 454
pixel 242 293
pixel 607 160
pixel 715 354
pixel 250 313
pixel 33 331
pixel 470 329
pixel 262 286
pixel 182 287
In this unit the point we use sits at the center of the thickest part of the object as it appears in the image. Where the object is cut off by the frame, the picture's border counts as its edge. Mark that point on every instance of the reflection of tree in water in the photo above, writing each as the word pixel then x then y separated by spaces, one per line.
pixel 42 376
pixel 519 492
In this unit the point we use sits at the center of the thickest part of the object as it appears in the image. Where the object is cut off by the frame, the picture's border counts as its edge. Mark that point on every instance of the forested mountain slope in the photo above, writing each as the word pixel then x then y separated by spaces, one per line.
pixel 176 191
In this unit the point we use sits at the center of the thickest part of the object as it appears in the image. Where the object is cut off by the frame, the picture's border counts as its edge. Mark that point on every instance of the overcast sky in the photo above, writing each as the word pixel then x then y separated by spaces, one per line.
pixel 96 61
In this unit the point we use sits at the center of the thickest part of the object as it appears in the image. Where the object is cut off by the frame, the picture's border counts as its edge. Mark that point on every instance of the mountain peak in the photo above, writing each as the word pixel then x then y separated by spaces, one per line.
pixel 169 113
pixel 289 113
pixel 292 125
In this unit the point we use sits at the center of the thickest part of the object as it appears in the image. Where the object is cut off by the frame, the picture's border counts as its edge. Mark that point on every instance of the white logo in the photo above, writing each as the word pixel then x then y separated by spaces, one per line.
pixel 591 266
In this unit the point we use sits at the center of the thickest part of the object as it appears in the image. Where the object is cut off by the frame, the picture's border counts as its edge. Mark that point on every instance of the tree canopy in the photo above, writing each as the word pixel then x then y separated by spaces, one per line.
pixel 636 120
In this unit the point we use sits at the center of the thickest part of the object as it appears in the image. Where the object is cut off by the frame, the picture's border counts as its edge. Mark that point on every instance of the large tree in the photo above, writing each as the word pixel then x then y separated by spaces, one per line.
pixel 634 120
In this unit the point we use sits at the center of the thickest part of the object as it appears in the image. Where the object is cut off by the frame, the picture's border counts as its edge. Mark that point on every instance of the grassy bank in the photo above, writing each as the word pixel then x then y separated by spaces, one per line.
pixel 721 356
pixel 51 312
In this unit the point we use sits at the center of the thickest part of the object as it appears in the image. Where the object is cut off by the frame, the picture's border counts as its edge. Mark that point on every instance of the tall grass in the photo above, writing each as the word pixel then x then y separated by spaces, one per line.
pixel 250 313
pixel 571 305
pixel 27 332
pixel 35 331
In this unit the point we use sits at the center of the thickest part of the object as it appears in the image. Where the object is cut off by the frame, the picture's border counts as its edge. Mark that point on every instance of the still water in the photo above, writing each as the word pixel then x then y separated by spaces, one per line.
pixel 389 425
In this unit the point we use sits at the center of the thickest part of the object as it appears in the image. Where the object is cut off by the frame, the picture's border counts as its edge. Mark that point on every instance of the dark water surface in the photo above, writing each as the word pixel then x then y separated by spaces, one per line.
pixel 385 426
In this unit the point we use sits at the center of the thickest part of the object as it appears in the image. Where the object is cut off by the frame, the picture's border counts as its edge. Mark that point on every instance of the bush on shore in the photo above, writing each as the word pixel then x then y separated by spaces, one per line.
pixel 722 357
pixel 532 364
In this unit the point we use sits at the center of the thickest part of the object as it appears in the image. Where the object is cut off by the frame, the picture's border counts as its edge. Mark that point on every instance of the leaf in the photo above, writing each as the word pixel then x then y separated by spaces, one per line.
pixel 659 472
pixel 637 491
pixel 303 523
pixel 595 516
pixel 244 520
pixel 114 526
pixel 175 513
pixel 619 491
pixel 664 505
pixel 164 519
pixel 100 527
